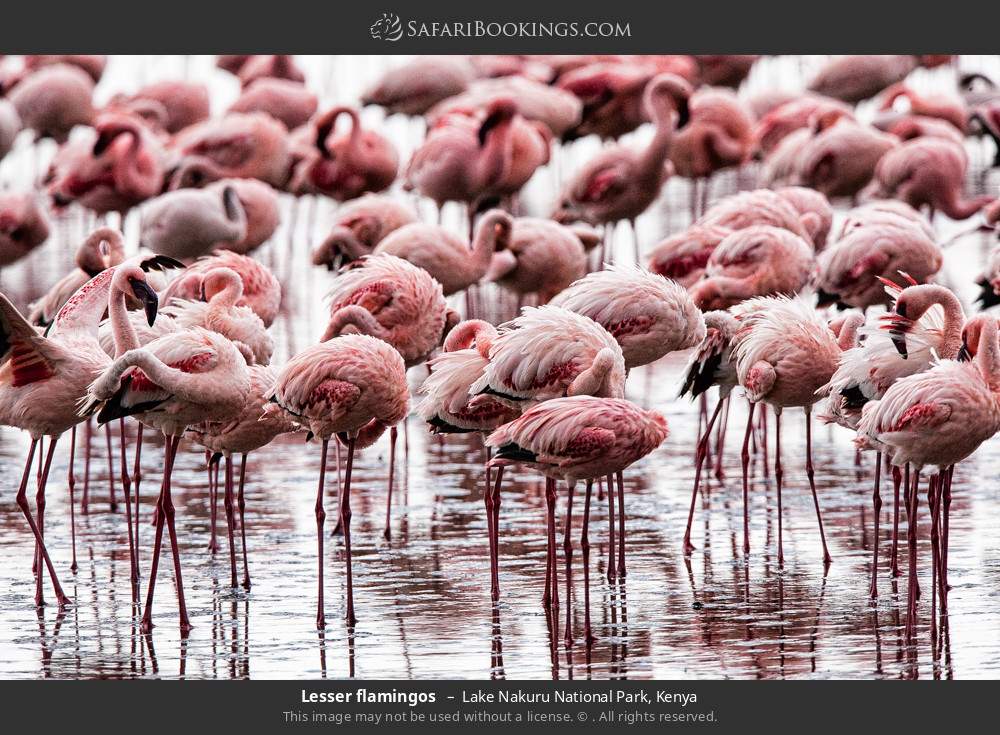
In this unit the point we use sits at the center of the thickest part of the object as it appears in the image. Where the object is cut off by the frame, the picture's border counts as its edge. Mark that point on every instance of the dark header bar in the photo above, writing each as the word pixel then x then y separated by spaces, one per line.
pixel 512 26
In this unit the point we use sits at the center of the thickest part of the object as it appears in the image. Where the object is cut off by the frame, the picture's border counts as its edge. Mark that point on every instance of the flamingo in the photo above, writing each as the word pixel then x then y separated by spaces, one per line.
pixel 926 323
pixel 577 438
pixel 104 248
pixel 273 66
pixel 452 262
pixel 10 126
pixel 542 257
pixel 250 430
pixel 171 104
pixel 353 387
pixel 238 145
pixel 712 364
pixel 23 226
pixel 180 379
pixel 360 225
pixel 121 168
pixel 621 182
pixel 92 64
pixel 756 261
pixel 189 223
pixel 261 289
pixel 42 378
pixel 784 354
pixel 289 102
pixel 856 78
pixel 447 409
pixel 260 203
pixel 937 418
pixel 53 100
pixel 415 87
pixel 344 167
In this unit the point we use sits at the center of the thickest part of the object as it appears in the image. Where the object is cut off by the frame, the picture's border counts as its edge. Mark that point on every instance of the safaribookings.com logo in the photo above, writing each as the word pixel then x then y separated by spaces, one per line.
pixel 390 28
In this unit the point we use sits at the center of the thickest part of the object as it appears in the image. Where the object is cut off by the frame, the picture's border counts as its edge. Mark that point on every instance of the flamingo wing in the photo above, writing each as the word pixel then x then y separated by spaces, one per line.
pixel 31 356
pixel 604 184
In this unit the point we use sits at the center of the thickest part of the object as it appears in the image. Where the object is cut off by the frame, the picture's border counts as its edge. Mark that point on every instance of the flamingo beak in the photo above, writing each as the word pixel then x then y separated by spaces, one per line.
pixel 963 354
pixel 147 297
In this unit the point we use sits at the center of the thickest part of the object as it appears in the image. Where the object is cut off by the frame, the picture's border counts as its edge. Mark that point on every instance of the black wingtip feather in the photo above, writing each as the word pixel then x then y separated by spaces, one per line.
pixel 113 408
pixel 701 376
pixel 159 263
pixel 987 296
pixel 440 426
pixel 515 453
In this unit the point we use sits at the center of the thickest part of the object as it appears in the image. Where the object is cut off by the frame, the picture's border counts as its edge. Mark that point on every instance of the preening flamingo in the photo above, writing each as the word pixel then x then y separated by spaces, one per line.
pixel 415 87
pixel 289 102
pixel 189 223
pixel 172 104
pixel 180 379
pixel 342 167
pixel 353 387
pixel 54 100
pixel 23 226
pixel 785 352
pixel 359 226
pixel 576 438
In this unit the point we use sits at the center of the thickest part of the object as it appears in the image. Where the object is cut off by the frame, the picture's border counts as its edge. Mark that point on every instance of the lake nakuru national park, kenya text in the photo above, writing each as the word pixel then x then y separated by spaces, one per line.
pixel 503 696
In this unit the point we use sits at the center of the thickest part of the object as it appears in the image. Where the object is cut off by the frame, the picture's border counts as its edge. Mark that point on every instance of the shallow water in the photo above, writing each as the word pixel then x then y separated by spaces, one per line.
pixel 422 599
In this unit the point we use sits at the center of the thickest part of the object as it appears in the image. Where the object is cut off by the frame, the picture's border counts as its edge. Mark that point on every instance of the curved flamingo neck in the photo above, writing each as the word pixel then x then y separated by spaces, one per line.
pixel 121 326
pixel 487 239
pixel 495 156
pixel 326 124
pixel 988 355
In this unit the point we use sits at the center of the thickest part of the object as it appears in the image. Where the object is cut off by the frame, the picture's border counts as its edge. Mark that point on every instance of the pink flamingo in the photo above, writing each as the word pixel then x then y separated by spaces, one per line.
pixel 856 78
pixel 172 104
pixel 189 223
pixel 450 260
pixel 23 226
pixel 123 167
pixel 418 85
pixel 463 159
pixel 542 257
pixel 683 257
pixel 53 100
pixel 648 315
pixel 260 203
pixel 621 182
pixel 928 172
pixel 244 146
pixel 92 64
pixel 839 157
pixel 784 354
pixel 100 251
pixel 938 418
pixel 943 107
pixel 261 289
pixel 346 166
pixel 793 115
pixel 359 226
pixel 851 269
pixel 577 438
pixel 909 341
pixel 447 409
pixel 353 387
pixel 175 381
pixel 756 261
pixel 387 297
pixel 276 66
pixel 726 70
pixel 42 379
pixel 250 430
pixel 556 108
pixel 284 100
pixel 712 364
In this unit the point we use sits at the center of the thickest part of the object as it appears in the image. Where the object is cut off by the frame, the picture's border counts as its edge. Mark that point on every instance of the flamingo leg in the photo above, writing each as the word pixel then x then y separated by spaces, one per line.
pixel 127 491
pixel 230 520
pixel 911 537
pixel 22 503
pixel 568 553
pixel 934 504
pixel 161 516
pixel 40 507
pixel 88 433
pixel 778 475
pixel 699 461
pixel 811 474
pixel 611 529
pixel 320 520
pixel 393 432
pixel 345 519
pixel 136 478
pixel 720 442
pixel 488 501
pixel 585 550
pixel 213 504
pixel 241 504
pixel 340 490
pixel 620 479
pixel 168 508
pixel 496 531
pixel 72 500
pixel 877 506
pixel 897 478
pixel 112 494
pixel 745 457
pixel 551 596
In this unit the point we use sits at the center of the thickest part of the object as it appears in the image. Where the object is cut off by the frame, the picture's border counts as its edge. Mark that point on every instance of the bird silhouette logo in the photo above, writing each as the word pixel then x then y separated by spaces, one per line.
pixel 387 28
